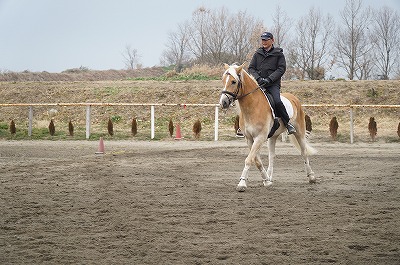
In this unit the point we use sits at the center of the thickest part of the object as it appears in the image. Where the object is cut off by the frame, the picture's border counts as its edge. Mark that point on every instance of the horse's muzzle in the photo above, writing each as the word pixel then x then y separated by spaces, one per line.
pixel 224 101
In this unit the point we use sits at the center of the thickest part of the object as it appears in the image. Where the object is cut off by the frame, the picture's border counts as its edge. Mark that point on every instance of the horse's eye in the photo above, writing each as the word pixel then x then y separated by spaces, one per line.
pixel 233 82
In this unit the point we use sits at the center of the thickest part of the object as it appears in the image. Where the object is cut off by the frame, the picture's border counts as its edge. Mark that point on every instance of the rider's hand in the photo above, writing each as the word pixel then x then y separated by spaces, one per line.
pixel 264 81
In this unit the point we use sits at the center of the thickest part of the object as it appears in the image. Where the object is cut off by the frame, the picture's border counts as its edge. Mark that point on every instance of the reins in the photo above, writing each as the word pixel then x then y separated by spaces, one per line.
pixel 254 90
pixel 235 95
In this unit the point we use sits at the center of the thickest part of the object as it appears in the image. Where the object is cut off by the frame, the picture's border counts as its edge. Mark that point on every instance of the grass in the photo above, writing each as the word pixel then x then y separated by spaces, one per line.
pixel 197 85
pixel 178 77
pixel 226 132
pixel 122 131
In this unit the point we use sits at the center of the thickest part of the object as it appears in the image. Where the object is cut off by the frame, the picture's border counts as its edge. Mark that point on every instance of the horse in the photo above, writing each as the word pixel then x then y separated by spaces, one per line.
pixel 257 120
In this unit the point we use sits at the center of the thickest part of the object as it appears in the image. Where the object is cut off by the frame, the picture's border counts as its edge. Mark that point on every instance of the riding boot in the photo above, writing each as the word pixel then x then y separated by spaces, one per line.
pixel 285 119
pixel 290 128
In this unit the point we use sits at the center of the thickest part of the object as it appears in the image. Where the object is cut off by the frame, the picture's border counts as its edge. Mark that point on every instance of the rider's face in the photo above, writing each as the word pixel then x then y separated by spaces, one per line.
pixel 267 44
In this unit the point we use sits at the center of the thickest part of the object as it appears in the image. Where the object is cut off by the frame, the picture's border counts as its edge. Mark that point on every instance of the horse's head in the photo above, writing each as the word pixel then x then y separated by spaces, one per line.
pixel 232 84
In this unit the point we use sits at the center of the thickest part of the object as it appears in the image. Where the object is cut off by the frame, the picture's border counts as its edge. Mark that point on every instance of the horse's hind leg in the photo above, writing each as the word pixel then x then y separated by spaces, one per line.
pixel 266 179
pixel 304 154
pixel 309 171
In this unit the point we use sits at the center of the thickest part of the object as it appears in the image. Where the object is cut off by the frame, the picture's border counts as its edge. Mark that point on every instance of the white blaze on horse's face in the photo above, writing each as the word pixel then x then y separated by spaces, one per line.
pixel 231 80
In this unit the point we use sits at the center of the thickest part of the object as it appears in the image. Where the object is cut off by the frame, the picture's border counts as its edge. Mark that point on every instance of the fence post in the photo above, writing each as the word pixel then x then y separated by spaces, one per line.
pixel 30 120
pixel 216 124
pixel 88 109
pixel 152 121
pixel 351 125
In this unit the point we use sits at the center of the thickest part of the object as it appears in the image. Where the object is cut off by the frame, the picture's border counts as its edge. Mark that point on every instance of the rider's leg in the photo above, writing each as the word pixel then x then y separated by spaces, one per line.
pixel 280 108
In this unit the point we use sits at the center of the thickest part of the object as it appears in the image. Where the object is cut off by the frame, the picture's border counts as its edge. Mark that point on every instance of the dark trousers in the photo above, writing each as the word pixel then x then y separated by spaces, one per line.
pixel 280 110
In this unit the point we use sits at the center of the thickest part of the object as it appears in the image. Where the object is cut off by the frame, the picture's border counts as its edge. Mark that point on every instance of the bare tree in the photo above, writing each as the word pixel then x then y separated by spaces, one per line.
pixel 213 37
pixel 198 34
pixel 366 61
pixel 386 38
pixel 397 72
pixel 131 57
pixel 244 37
pixel 217 38
pixel 310 51
pixel 281 27
pixel 176 52
pixel 353 47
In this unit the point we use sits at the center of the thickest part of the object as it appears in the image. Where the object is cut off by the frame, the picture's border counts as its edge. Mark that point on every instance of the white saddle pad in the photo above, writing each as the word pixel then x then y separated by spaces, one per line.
pixel 288 106
pixel 286 103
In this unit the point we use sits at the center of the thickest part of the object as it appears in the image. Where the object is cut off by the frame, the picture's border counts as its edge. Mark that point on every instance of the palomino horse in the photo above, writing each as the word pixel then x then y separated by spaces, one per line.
pixel 257 119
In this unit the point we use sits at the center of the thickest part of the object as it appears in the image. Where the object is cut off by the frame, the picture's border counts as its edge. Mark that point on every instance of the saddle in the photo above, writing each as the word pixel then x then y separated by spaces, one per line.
pixel 272 104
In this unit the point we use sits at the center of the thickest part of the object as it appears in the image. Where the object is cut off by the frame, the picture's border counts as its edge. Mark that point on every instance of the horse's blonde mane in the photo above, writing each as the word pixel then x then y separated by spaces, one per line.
pixel 251 77
pixel 232 71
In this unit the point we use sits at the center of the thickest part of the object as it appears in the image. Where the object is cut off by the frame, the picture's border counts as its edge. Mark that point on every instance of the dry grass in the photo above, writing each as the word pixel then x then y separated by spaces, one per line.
pixel 203 70
pixel 81 75
pixel 193 91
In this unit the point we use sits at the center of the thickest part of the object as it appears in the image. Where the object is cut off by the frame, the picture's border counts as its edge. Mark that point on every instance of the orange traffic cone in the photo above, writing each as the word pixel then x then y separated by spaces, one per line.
pixel 178 135
pixel 101 147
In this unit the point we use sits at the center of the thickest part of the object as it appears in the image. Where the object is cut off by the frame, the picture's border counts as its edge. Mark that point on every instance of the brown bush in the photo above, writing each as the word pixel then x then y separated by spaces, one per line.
pixel 134 127
pixel 372 128
pixel 398 130
pixel 13 130
pixel 52 128
pixel 333 127
pixel 71 128
pixel 197 129
pixel 171 127
pixel 110 127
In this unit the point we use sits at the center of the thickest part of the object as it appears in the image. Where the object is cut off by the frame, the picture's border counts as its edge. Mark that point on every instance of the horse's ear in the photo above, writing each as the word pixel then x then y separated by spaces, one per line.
pixel 239 69
pixel 226 66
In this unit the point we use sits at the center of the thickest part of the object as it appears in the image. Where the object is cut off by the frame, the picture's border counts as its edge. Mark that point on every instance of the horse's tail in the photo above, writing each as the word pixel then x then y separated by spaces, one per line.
pixel 308 148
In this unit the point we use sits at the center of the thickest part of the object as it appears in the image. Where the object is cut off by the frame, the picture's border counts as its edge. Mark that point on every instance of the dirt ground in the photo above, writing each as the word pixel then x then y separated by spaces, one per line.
pixel 174 202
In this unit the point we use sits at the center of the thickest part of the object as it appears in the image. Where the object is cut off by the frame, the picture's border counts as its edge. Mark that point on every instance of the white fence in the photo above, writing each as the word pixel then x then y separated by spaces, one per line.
pixel 152 106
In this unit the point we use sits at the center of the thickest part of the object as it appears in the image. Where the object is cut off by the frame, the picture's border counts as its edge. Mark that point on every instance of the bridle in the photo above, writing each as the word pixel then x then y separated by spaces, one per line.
pixel 235 95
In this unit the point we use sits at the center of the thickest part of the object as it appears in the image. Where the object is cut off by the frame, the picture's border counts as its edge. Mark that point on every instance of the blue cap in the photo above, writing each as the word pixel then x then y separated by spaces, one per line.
pixel 266 36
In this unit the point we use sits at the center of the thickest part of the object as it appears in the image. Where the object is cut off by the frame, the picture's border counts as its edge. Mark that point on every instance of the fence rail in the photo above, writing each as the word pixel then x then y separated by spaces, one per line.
pixel 152 106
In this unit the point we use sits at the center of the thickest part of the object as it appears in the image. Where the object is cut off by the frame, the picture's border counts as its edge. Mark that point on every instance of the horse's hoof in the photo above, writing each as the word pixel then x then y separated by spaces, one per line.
pixel 312 179
pixel 242 185
pixel 267 183
pixel 241 188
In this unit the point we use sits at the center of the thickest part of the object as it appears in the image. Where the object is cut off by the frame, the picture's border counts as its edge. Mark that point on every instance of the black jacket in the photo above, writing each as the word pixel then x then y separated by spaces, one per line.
pixel 271 64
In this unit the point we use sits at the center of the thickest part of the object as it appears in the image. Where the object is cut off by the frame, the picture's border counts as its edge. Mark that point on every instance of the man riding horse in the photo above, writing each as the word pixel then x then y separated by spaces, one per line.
pixel 258 122
pixel 268 66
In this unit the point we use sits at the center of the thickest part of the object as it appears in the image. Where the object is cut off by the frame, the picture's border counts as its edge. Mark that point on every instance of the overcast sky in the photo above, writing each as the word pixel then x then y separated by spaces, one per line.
pixel 55 35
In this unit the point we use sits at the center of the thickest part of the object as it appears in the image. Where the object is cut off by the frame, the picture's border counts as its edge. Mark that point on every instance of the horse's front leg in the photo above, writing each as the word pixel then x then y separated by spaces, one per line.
pixel 242 186
pixel 247 163
pixel 271 158
pixel 252 157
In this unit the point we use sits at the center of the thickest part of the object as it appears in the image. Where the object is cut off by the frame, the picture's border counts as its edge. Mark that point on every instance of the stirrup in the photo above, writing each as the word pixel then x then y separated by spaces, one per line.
pixel 290 128
pixel 239 133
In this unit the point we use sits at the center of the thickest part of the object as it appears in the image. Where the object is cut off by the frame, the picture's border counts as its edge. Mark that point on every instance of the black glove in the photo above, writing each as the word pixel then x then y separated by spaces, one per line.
pixel 264 82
